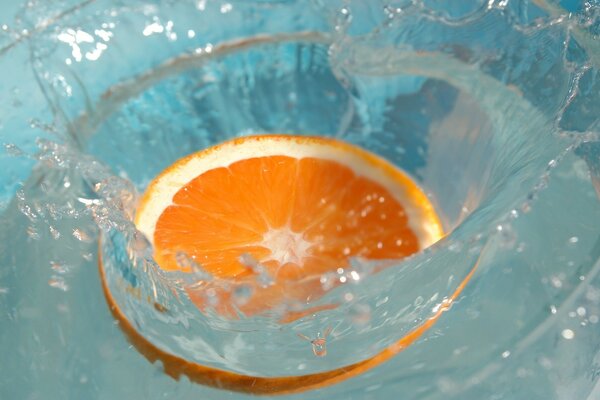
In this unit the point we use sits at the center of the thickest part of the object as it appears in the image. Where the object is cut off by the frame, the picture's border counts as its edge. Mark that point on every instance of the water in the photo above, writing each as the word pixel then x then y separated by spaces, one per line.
pixel 492 107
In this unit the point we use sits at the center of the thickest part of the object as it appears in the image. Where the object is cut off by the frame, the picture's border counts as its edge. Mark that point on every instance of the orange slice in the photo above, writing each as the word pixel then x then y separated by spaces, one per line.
pixel 294 207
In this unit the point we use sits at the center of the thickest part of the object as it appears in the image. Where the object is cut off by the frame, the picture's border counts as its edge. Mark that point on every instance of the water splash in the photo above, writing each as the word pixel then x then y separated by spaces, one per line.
pixel 360 51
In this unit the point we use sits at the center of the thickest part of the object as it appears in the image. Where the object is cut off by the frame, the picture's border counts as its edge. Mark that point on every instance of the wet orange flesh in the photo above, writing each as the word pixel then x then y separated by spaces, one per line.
pixel 228 212
pixel 299 218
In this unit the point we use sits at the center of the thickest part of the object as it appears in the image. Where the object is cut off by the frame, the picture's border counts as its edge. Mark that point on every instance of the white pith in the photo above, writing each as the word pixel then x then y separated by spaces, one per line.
pixel 286 246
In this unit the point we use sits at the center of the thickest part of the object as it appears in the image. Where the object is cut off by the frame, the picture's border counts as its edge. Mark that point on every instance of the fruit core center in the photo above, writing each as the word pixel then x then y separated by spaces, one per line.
pixel 286 246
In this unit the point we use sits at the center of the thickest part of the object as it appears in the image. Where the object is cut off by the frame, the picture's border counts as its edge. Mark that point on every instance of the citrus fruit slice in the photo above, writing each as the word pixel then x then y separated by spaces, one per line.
pixel 292 208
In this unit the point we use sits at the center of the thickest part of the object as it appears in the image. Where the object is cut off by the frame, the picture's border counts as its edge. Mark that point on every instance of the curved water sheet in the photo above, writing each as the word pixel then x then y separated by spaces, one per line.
pixel 492 107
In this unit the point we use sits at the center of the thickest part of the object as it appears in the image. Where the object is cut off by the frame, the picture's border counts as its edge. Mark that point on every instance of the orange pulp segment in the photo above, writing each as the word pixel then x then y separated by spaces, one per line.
pixel 296 206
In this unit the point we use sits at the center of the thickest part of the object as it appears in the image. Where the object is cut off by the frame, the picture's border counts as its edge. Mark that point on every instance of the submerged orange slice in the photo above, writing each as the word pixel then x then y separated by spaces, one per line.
pixel 294 207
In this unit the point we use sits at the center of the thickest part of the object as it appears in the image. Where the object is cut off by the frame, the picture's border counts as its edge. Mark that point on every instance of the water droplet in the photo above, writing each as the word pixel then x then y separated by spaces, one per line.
pixel 556 282
pixel 225 8
pixel 573 240
pixel 58 283
pixel 33 233
pixel 390 11
pixel 506 354
pixel 380 302
pixel 13 150
pixel 360 314
pixel 455 246
pixel 508 237
pixel 593 319
pixel 54 232
pixel 418 301
pixel 568 334
pixel 475 248
pixel 59 268
pixel 142 247
pixel 263 277
pixel 581 311
pixel 211 297
pixel 193 272
pixel 545 362
pixel 242 294
pixel 327 281
pixel 81 235
pixel 26 210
